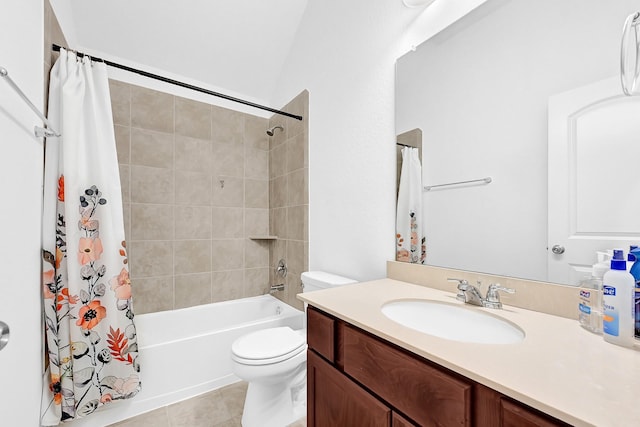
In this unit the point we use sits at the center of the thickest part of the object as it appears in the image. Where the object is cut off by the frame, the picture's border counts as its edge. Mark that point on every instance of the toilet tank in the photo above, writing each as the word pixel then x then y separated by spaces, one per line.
pixel 317 280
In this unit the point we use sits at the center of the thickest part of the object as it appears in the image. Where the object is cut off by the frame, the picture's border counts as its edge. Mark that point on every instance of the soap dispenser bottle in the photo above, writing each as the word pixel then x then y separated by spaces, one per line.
pixel 618 291
pixel 590 297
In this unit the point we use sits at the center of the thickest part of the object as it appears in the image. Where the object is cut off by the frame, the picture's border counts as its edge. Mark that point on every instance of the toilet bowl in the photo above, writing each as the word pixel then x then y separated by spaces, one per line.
pixel 273 362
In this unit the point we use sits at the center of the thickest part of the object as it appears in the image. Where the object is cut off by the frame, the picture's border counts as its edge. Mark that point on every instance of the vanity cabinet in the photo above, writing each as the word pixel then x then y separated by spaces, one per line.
pixel 357 379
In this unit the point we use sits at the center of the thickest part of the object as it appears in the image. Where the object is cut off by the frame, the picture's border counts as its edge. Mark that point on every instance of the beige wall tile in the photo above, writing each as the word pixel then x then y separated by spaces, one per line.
pixel 193 118
pixel 228 159
pixel 194 155
pixel 151 185
pixel 193 222
pixel 256 281
pixel 151 109
pixel 150 148
pixel 125 182
pixel 192 256
pixel 296 147
pixel 123 143
pixel 150 258
pixel 256 164
pixel 120 102
pixel 126 217
pixel 256 222
pixel 278 222
pixel 231 194
pixel 297 188
pixel 278 192
pixel 295 222
pixel 256 253
pixel 193 188
pixel 192 289
pixel 227 254
pixel 152 222
pixel 255 133
pixel 296 255
pixel 228 223
pixel 227 125
pixel 227 285
pixel 152 294
pixel 256 193
pixel 278 161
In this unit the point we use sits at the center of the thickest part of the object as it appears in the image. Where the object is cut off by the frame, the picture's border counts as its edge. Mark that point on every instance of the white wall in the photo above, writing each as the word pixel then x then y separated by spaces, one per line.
pixel 345 56
pixel 21 176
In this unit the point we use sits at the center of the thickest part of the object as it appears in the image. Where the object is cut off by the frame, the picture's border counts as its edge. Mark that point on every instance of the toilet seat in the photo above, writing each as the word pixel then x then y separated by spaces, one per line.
pixel 267 346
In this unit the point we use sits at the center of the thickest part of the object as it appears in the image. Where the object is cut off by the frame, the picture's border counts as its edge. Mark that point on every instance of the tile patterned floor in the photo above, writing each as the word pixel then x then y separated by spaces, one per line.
pixel 218 408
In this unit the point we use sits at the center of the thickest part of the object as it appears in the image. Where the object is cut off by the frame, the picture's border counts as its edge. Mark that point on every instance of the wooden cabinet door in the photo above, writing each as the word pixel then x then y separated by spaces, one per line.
pixel 333 400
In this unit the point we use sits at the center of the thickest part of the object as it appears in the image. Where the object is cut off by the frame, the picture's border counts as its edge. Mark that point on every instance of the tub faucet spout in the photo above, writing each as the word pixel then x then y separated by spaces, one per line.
pixel 276 288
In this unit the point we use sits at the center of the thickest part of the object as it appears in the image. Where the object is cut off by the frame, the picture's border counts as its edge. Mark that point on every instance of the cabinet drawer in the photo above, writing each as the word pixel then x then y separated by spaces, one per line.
pixel 427 395
pixel 321 333
pixel 516 415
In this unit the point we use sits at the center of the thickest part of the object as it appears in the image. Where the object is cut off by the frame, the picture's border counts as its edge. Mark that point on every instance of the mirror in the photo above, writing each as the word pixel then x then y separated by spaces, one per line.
pixel 479 92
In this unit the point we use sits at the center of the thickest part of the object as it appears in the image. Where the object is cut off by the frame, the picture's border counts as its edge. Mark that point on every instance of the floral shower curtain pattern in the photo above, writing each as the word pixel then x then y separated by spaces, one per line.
pixel 410 240
pixel 90 337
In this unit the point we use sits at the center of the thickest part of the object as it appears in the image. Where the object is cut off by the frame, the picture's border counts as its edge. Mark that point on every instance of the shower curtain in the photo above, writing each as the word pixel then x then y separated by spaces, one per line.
pixel 410 240
pixel 90 338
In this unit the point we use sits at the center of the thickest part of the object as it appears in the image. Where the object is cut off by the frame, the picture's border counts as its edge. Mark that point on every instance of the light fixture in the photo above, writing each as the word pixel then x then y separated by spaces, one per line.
pixel 417 3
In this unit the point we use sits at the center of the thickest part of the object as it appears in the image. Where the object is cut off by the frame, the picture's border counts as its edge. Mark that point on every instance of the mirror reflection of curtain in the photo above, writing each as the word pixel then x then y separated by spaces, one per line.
pixel 91 342
pixel 410 238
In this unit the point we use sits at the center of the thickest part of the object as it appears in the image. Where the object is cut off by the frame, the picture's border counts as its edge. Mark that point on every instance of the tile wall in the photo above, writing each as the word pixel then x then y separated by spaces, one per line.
pixel 195 183
pixel 289 196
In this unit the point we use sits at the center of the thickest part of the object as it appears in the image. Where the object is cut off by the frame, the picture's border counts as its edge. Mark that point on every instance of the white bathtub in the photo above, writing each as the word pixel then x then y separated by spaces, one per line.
pixel 186 352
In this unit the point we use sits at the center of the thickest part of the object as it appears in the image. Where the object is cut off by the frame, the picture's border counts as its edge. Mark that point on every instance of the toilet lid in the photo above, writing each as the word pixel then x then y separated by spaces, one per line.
pixel 267 346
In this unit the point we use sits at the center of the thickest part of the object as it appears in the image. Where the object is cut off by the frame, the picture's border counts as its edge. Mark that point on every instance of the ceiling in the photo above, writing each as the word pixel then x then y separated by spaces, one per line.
pixel 237 46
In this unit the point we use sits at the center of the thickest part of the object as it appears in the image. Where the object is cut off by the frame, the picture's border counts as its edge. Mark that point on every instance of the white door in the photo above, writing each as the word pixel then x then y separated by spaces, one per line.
pixel 594 177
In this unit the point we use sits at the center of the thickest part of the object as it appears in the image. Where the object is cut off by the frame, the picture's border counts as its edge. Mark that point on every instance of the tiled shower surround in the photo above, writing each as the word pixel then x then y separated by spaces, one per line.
pixel 196 184
pixel 289 196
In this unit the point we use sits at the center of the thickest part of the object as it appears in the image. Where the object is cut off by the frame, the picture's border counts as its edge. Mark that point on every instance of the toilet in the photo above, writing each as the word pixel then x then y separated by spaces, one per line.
pixel 273 362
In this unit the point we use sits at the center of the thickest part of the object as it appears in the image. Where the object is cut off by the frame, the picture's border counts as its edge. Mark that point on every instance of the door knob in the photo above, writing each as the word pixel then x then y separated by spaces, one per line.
pixel 4 334
pixel 557 249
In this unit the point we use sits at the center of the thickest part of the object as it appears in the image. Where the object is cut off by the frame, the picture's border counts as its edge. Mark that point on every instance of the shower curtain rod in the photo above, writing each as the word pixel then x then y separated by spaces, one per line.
pixel 56 48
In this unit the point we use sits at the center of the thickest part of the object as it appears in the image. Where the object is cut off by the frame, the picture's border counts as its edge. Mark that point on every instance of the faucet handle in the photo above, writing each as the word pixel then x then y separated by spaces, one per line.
pixel 462 285
pixel 493 298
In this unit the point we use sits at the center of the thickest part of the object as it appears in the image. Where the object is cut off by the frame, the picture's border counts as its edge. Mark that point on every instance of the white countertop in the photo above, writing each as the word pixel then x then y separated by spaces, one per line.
pixel 559 368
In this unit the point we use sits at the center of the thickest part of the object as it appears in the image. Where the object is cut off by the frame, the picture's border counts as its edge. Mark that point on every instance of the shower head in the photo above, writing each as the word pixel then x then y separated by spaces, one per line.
pixel 271 130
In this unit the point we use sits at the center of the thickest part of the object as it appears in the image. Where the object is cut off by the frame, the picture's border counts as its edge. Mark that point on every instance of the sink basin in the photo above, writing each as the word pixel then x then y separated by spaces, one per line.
pixel 453 322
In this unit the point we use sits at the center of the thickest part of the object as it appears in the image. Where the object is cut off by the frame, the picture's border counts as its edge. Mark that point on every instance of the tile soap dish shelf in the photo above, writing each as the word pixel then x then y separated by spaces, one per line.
pixel 266 237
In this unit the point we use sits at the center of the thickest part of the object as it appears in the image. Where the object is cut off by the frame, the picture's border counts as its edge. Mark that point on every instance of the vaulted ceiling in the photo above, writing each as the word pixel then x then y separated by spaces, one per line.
pixel 238 46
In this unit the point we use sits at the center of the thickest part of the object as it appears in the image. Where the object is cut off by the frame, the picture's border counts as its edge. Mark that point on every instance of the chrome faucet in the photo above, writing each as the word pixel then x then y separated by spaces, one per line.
pixel 470 294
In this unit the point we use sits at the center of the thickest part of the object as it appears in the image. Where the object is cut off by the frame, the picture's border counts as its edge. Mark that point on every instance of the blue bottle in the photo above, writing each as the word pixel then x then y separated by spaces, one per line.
pixel 635 272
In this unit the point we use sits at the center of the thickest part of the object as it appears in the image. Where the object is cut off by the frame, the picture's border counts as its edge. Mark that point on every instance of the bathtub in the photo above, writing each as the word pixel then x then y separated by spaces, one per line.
pixel 186 352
